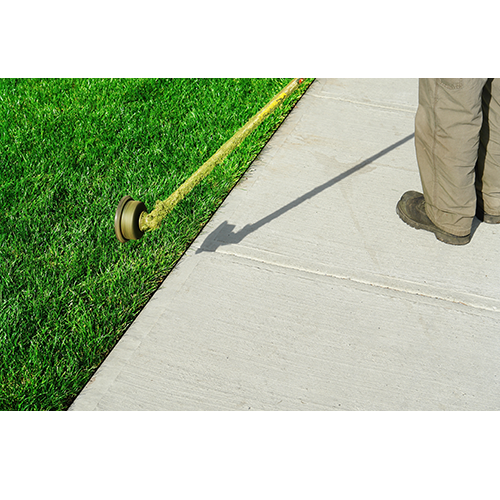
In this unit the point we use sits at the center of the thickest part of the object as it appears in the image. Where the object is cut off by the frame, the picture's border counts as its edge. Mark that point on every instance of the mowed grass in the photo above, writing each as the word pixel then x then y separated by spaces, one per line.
pixel 69 150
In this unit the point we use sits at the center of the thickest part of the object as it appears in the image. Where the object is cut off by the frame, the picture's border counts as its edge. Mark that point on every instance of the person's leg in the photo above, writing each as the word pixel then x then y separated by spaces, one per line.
pixel 447 127
pixel 488 165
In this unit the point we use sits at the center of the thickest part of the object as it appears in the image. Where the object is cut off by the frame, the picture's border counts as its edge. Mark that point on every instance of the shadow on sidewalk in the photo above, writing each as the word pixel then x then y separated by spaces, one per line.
pixel 211 243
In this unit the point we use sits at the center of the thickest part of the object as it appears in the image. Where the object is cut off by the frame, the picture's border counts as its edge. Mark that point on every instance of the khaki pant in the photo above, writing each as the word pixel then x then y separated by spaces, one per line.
pixel 457 141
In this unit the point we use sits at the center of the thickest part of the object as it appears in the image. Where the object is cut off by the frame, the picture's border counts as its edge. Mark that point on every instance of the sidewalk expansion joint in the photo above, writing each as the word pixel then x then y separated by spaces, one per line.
pixel 475 302
pixel 361 103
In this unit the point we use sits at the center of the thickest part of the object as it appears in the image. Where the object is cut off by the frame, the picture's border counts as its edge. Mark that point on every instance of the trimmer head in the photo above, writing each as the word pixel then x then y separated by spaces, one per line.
pixel 127 219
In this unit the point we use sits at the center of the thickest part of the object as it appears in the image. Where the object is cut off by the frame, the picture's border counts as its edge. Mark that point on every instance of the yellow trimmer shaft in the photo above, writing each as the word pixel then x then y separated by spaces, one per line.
pixel 132 219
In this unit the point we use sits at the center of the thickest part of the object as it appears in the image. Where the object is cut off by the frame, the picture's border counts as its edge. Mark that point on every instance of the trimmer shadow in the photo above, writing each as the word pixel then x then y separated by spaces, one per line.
pixel 212 242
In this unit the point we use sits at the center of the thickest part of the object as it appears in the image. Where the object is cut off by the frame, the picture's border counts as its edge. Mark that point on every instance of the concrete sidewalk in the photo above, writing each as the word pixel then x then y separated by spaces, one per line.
pixel 307 292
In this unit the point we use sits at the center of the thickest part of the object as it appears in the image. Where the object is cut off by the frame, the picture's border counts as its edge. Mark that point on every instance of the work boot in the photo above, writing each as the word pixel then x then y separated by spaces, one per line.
pixel 491 219
pixel 484 217
pixel 411 209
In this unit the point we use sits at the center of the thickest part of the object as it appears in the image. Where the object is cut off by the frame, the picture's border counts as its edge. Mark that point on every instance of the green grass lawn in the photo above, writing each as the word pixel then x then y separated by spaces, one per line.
pixel 69 150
